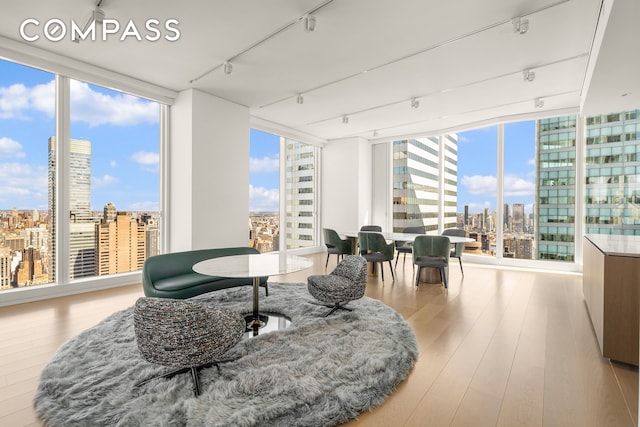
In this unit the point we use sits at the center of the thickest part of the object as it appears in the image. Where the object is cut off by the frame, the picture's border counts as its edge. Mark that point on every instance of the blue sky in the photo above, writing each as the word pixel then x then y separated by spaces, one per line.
pixel 477 163
pixel 123 130
pixel 264 169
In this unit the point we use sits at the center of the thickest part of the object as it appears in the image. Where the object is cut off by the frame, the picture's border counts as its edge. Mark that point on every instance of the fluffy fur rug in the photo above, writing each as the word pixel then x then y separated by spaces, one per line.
pixel 318 372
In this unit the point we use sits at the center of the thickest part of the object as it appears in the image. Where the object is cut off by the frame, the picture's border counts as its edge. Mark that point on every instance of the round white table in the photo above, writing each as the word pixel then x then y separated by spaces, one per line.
pixel 254 266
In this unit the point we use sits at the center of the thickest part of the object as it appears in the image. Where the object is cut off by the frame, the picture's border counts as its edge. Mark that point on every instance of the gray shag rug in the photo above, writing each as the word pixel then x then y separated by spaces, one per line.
pixel 317 372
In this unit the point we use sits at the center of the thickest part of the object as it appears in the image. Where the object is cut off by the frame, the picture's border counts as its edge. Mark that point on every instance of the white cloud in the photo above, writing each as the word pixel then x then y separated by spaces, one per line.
pixel 23 185
pixel 113 164
pixel 516 186
pixel 118 109
pixel 147 160
pixel 87 105
pixel 482 185
pixel 264 165
pixel 264 199
pixel 11 148
pixel 103 181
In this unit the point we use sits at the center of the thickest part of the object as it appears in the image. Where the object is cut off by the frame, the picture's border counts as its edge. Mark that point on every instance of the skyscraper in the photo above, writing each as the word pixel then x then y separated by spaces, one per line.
pixel 82 237
pixel 121 243
pixel 517 221
pixel 416 182
pixel 556 187
pixel 612 190
pixel 301 187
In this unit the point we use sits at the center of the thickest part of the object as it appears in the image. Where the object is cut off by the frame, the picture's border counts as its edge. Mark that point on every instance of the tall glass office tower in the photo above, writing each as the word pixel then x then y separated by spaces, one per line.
pixel 301 190
pixel 556 189
pixel 612 175
pixel 82 237
pixel 416 182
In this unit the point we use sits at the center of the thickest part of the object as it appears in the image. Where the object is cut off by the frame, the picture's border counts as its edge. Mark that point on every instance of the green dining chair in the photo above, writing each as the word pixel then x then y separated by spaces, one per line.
pixel 406 247
pixel 336 245
pixel 433 252
pixel 456 252
pixel 375 249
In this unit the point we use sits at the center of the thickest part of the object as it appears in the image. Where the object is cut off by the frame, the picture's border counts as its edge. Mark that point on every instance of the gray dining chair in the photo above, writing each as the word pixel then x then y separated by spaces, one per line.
pixel 377 250
pixel 368 228
pixel 336 245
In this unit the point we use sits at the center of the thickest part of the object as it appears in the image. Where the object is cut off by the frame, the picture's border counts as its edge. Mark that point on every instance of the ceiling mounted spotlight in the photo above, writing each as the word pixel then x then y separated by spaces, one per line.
pixel 310 23
pixel 538 103
pixel 415 103
pixel 345 119
pixel 528 75
pixel 300 99
pixel 228 68
pixel 520 25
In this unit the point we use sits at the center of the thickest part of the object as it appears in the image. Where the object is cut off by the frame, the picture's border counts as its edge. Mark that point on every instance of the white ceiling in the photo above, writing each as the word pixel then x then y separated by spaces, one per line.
pixel 367 58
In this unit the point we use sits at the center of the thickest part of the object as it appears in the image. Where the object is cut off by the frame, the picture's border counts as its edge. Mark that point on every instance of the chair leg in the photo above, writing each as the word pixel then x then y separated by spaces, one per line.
pixel 443 277
pixel 382 270
pixel 393 277
pixel 196 381
pixel 404 259
pixel 397 257
pixel 326 263
pixel 460 260
pixel 418 275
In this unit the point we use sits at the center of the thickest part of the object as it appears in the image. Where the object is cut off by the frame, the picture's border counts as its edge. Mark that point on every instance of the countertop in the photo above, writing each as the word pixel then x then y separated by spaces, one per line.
pixel 628 246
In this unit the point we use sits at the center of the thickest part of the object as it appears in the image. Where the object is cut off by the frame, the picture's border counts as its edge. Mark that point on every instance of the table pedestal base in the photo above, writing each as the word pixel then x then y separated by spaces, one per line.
pixel 265 323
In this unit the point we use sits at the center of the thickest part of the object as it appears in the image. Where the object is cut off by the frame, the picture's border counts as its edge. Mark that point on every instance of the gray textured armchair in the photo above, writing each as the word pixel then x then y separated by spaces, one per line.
pixel 347 282
pixel 184 335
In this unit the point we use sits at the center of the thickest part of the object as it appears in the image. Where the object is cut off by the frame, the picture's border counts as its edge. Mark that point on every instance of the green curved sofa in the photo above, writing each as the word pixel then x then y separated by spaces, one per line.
pixel 171 275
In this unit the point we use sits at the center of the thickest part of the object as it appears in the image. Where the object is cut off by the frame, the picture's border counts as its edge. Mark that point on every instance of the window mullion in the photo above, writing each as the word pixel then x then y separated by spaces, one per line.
pixel 61 199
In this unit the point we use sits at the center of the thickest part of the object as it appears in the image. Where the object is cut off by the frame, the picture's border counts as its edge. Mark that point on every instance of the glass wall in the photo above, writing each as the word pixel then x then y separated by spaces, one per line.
pixel 297 170
pixel 612 176
pixel 477 188
pixel 27 121
pixel 111 179
pixel 264 191
pixel 114 181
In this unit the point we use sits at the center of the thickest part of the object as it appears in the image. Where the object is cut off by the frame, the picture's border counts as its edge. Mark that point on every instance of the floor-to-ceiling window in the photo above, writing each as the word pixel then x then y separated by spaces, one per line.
pixel 477 188
pixel 114 181
pixel 27 121
pixel 612 176
pixel 106 172
pixel 264 191
pixel 282 169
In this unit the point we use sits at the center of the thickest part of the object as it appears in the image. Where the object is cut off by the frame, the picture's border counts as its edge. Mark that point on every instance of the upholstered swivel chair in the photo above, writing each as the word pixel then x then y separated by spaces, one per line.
pixel 336 245
pixel 456 252
pixel 376 250
pixel 184 335
pixel 405 247
pixel 347 282
pixel 433 252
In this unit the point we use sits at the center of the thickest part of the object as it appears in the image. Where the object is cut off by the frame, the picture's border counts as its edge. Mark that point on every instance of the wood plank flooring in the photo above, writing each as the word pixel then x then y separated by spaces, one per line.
pixel 501 347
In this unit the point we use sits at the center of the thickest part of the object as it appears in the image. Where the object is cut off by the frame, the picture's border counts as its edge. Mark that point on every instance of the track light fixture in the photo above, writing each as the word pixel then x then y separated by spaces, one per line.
pixel 415 103
pixel 310 23
pixel 228 68
pixel 520 25
pixel 300 99
pixel 345 119
pixel 528 75
pixel 538 103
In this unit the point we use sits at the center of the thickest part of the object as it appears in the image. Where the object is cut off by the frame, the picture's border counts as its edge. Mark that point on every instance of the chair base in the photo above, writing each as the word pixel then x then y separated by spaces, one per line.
pixel 335 307
pixel 194 374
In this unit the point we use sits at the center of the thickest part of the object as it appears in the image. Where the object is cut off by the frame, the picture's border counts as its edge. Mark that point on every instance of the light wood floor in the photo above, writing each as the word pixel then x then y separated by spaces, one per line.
pixel 500 348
